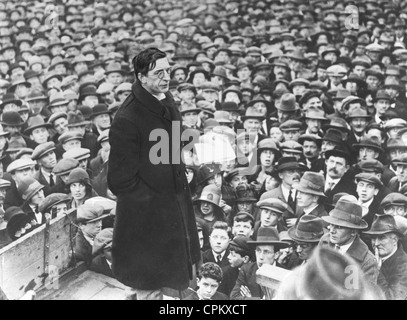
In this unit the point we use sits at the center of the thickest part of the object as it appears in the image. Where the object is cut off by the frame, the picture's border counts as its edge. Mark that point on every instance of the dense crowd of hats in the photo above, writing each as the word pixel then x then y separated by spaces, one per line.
pixel 265 89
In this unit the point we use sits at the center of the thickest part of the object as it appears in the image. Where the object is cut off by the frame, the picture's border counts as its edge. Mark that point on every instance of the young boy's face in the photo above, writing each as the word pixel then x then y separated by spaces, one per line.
pixel 269 218
pixel 219 240
pixel 235 259
pixel 207 287
pixel 242 228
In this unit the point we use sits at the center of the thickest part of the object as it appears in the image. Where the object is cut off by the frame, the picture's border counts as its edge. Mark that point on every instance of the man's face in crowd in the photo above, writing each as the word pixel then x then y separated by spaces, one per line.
pixel 322 75
pixel 242 228
pixel 207 287
pixel 392 92
pixel 382 106
pixel 80 129
pixel 340 235
pixel 244 73
pixel 310 149
pixel 267 158
pixel 291 135
pixel 210 95
pixel 366 191
pixel 336 167
pixel 359 70
pixel 219 240
pixel 372 82
pixel 385 244
pixel 158 79
pixel 290 176
pixel 49 160
pixel 115 78
pixel 102 121
pixel 395 210
pixel 314 125
pixel 367 154
pixel 236 180
pixel 336 80
pixel 39 135
pixel 280 72
pixel 245 206
pixel 186 95
pixel 401 173
pixel 305 250
pixel 190 118
pixel 180 75
pixel 395 153
pixel 358 125
pixel 264 255
pixel 306 199
pixel 252 125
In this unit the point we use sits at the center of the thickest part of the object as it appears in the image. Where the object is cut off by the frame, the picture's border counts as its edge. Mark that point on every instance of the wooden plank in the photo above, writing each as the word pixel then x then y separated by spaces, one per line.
pixel 22 262
pixel 269 278
pixel 86 286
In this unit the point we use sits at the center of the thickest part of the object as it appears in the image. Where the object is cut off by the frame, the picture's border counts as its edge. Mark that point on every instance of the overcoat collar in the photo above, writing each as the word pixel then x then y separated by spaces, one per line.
pixel 149 101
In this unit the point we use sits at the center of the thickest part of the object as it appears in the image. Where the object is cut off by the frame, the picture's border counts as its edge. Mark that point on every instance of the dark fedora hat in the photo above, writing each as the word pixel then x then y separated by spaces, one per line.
pixel 269 236
pixel 288 103
pixel 382 224
pixel 369 142
pixel 36 122
pixel 347 213
pixel 76 118
pixel 251 113
pixel 11 118
pixel 338 152
pixel 100 109
pixel 333 135
pixel 287 163
pixel 308 229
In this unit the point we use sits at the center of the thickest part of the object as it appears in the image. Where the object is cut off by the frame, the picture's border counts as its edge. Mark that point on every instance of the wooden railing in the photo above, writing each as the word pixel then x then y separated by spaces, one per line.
pixel 39 258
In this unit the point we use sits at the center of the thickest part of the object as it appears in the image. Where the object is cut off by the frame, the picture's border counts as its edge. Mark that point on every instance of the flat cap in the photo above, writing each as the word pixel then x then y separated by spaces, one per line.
pixel 273 204
pixel 77 153
pixel 42 149
pixel 291 125
pixel 369 178
pixel 87 212
pixel 70 135
pixel 394 198
pixel 65 166
pixel 4 183
pixel 20 164
pixel 103 240
pixel 52 200
pixel 371 166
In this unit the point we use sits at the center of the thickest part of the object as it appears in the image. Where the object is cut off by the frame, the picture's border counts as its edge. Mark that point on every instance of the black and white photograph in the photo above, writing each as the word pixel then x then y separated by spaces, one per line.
pixel 203 150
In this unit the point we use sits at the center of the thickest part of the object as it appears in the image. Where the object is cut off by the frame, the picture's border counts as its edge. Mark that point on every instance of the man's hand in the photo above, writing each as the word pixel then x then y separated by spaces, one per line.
pixel 291 222
pixel 245 292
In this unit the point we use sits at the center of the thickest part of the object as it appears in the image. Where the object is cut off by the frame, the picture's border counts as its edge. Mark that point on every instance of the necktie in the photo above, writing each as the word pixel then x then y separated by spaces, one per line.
pixel 290 200
pixel 51 180
pixel 219 258
pixel 330 185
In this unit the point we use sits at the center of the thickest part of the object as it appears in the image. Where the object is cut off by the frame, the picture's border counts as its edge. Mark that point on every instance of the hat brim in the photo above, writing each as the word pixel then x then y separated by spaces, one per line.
pixel 346 224
pixel 30 129
pixel 260 118
pixel 362 145
pixel 292 235
pixel 299 187
pixel 378 233
pixel 277 244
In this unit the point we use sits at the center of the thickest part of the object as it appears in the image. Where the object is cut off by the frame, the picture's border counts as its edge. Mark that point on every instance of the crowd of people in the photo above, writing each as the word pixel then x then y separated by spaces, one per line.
pixel 294 132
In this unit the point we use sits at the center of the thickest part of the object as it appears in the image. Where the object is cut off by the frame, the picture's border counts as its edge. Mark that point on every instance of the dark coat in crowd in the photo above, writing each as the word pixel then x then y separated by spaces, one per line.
pixel 247 277
pixel 155 240
pixel 393 276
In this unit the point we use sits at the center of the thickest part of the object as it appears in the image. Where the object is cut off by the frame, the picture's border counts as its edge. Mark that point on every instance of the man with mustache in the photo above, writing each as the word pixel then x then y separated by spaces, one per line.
pixel 45 156
pixel 337 180
pixel 311 146
pixel 368 148
pixel 289 171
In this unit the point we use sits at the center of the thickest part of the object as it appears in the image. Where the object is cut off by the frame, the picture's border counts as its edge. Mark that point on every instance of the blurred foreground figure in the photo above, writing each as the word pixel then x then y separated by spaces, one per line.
pixel 328 275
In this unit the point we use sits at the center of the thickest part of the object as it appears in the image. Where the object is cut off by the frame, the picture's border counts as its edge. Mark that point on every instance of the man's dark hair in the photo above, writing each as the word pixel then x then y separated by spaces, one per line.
pixel 146 60
pixel 243 253
pixel 220 225
pixel 210 270
pixel 243 218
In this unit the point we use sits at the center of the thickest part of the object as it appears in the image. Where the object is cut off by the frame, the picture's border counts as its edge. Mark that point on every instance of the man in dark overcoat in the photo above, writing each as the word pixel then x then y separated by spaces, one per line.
pixel 155 240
